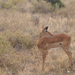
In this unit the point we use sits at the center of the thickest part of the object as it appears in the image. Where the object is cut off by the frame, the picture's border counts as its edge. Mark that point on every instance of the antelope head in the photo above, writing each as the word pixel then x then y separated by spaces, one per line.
pixel 44 29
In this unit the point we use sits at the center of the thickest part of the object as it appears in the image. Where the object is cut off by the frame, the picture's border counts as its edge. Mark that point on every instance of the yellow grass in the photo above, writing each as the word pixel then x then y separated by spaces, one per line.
pixel 20 28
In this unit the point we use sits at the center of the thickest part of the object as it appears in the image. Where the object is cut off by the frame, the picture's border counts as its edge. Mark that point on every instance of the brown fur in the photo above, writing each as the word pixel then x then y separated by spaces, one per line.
pixel 46 42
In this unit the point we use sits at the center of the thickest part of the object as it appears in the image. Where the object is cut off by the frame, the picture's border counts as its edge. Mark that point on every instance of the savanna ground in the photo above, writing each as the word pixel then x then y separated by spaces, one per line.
pixel 20 23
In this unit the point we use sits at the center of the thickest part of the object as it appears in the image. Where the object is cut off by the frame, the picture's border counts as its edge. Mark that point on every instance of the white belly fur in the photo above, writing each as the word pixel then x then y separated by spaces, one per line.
pixel 54 48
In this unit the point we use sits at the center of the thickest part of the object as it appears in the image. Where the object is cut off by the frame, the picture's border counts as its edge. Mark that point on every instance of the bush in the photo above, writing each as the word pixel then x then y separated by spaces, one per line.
pixel 35 20
pixel 5 46
pixel 6 51
pixel 9 3
pixel 5 5
pixel 41 7
pixel 21 42
pixel 18 40
pixel 54 2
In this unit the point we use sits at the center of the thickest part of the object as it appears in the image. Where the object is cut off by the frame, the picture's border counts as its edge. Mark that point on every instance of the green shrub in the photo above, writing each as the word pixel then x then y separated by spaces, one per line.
pixel 6 51
pixel 54 2
pixel 5 46
pixel 9 3
pixel 5 5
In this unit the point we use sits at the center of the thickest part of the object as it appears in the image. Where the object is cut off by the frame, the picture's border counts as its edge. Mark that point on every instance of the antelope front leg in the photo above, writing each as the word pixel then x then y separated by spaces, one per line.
pixel 44 54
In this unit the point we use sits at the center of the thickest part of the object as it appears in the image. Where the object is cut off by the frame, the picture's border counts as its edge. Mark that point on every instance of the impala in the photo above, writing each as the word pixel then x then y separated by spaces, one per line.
pixel 46 41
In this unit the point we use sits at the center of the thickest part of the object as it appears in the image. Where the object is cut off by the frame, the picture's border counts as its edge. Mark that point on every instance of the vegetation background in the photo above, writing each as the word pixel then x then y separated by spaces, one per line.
pixel 20 23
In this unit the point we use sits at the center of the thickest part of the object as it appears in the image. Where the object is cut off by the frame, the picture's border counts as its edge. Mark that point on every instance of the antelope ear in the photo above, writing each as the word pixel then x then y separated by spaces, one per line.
pixel 42 26
pixel 46 27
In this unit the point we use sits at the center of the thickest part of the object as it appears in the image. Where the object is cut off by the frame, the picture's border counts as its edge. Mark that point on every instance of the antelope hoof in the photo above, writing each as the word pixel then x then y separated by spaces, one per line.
pixel 68 71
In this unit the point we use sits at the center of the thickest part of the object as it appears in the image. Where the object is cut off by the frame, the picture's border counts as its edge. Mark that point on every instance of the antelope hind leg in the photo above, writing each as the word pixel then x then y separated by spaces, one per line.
pixel 70 60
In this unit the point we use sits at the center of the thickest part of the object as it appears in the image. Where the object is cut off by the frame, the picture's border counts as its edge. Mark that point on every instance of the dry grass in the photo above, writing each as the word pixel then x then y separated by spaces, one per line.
pixel 19 30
